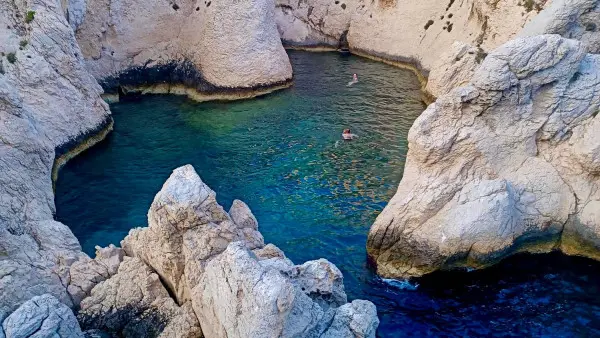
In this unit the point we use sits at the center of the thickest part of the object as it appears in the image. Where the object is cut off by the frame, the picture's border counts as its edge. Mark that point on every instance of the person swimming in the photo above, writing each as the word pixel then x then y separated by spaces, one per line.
pixel 354 80
pixel 347 135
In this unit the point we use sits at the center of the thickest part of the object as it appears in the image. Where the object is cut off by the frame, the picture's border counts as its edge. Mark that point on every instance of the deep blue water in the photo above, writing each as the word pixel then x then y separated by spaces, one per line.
pixel 316 196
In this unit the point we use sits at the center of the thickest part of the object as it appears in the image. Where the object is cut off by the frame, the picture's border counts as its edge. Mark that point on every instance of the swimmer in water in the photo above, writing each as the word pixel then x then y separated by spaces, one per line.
pixel 347 135
pixel 354 80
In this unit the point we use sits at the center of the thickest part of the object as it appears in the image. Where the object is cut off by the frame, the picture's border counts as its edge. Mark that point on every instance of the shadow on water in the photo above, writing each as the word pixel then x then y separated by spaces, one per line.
pixel 316 196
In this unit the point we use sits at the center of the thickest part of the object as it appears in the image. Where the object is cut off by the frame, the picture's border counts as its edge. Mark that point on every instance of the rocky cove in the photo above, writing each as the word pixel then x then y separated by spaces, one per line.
pixel 466 200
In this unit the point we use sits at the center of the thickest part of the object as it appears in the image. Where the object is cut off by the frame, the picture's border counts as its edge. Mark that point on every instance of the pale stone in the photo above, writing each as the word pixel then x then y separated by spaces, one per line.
pixel 502 165
pixel 213 43
pixel 40 317
pixel 134 303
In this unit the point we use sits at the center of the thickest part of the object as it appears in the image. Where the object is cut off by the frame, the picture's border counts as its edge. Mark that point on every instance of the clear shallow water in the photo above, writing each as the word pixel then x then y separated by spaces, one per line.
pixel 316 196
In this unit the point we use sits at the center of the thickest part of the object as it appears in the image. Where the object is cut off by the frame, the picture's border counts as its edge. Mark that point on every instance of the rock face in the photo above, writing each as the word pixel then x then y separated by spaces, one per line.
pixel 184 46
pixel 42 316
pixel 506 163
pixel 218 262
pixel 48 105
pixel 134 303
pixel 416 31
pixel 573 19
pixel 314 23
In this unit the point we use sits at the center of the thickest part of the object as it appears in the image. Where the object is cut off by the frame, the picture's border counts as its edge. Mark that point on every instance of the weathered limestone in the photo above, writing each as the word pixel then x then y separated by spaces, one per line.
pixel 314 23
pixel 48 104
pixel 85 273
pixel 41 316
pixel 134 303
pixel 573 19
pixel 454 68
pixel 206 50
pixel 498 166
pixel 203 255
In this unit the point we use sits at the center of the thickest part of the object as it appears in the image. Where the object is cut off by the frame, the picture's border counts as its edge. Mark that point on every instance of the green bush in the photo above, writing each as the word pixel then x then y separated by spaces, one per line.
pixel 11 57
pixel 23 43
pixel 30 16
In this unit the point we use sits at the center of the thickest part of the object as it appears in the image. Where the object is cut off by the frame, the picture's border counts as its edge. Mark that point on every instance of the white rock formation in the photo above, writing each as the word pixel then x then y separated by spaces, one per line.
pixel 454 68
pixel 573 19
pixel 184 46
pixel 314 23
pixel 85 273
pixel 204 257
pixel 48 104
pixel 134 303
pixel 40 317
pixel 504 164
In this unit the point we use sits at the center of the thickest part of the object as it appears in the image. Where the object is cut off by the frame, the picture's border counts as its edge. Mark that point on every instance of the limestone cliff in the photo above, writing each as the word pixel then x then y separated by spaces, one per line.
pixel 205 49
pixel 49 104
pixel 415 31
pixel 507 163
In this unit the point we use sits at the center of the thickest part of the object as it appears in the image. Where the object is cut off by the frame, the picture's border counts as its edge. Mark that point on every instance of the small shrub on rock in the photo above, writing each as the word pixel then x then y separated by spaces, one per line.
pixel 30 16
pixel 11 57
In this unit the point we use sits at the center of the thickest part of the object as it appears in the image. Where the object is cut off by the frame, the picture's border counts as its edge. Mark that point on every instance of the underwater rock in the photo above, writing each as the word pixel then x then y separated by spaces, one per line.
pixel 504 164
pixel 41 316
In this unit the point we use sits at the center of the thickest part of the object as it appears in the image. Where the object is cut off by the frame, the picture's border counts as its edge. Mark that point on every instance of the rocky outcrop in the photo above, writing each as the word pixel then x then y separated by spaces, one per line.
pixel 505 164
pixel 573 19
pixel 85 273
pixel 41 316
pixel 217 263
pixel 134 303
pixel 207 50
pixel 50 109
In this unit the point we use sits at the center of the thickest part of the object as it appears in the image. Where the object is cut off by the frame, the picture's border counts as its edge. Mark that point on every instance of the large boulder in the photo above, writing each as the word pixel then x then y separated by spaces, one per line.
pixel 504 164
pixel 240 295
pixel 40 317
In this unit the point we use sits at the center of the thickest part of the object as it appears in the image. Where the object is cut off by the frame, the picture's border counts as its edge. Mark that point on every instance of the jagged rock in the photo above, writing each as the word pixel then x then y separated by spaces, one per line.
pixel 242 296
pixel 498 167
pixel 134 303
pixel 573 19
pixel 186 226
pixel 454 68
pixel 184 46
pixel 354 320
pixel 203 255
pixel 87 272
pixel 42 316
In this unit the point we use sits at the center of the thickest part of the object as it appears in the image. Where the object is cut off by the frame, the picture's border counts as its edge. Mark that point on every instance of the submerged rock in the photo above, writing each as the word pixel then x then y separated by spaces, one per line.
pixel 41 316
pixel 499 166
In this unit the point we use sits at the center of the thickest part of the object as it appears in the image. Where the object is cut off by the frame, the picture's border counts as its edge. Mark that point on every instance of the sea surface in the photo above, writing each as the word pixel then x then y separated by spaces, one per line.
pixel 316 195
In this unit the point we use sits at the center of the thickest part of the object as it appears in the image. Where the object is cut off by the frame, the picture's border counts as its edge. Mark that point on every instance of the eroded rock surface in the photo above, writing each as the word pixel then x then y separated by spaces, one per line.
pixel 41 316
pixel 504 164
pixel 134 303
pixel 184 47
pixel 218 262
pixel 48 104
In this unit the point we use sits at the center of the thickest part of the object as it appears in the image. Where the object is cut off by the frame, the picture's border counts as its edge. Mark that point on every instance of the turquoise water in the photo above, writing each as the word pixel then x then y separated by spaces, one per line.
pixel 315 195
